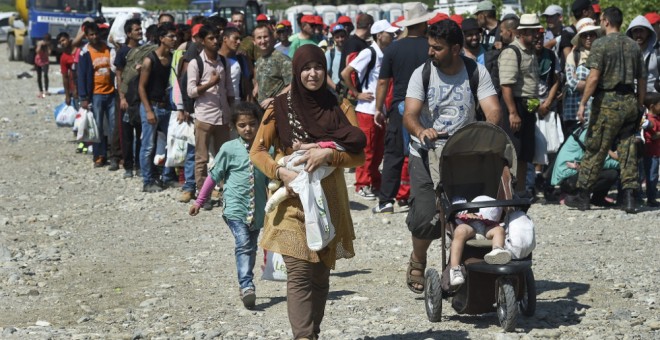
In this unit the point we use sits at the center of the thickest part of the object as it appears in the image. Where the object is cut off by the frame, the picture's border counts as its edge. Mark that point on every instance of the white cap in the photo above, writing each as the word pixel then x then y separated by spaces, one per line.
pixel 553 10
pixel 383 26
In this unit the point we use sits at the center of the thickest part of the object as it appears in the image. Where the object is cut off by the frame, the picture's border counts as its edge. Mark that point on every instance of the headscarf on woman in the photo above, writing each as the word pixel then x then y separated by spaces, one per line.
pixel 313 116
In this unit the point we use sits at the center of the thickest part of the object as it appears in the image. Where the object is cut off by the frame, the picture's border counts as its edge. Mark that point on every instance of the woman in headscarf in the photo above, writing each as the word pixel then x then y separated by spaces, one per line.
pixel 577 72
pixel 309 113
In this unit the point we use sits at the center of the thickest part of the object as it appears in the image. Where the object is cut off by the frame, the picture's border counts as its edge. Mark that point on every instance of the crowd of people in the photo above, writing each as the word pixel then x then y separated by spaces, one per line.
pixel 364 96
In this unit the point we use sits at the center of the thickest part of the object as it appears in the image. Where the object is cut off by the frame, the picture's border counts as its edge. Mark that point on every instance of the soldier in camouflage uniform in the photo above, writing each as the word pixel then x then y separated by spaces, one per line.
pixel 273 72
pixel 616 65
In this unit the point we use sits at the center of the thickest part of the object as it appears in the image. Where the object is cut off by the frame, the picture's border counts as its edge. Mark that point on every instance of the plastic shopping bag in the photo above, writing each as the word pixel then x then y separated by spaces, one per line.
pixel 176 152
pixel 92 130
pixel 65 115
pixel 161 152
pixel 520 236
pixel 318 227
pixel 274 268
pixel 185 130
pixel 80 123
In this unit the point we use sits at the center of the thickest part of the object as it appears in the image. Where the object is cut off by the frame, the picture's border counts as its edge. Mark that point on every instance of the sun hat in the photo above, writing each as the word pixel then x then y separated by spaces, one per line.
pixel 438 17
pixel 398 20
pixel 552 10
pixel 529 21
pixel 416 15
pixel 382 26
pixel 484 6
pixel 582 26
pixel 470 24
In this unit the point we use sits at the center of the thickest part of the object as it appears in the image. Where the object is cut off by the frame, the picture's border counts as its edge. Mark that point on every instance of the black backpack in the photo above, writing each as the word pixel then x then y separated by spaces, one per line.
pixel 492 64
pixel 473 76
pixel 189 103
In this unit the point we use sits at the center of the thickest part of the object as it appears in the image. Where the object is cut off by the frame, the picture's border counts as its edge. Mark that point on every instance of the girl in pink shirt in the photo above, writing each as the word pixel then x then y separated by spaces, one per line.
pixel 41 64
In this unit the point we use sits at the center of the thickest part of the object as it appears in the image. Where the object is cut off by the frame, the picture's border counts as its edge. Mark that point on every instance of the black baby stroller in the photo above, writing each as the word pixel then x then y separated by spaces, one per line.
pixel 479 160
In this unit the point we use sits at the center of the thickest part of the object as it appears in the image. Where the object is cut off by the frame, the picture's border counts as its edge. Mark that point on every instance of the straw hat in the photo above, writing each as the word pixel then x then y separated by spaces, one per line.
pixel 416 15
pixel 583 26
pixel 529 21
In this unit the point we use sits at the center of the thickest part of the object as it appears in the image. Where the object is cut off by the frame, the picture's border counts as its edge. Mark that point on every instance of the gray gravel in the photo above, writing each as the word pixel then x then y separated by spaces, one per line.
pixel 84 254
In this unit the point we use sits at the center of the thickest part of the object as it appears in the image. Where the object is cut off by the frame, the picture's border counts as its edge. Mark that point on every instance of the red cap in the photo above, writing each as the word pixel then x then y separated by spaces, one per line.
pixel 596 8
pixel 652 17
pixel 399 19
pixel 262 17
pixel 286 23
pixel 195 29
pixel 344 20
pixel 318 20
pixel 438 17
pixel 189 22
pixel 457 18
pixel 104 26
pixel 307 19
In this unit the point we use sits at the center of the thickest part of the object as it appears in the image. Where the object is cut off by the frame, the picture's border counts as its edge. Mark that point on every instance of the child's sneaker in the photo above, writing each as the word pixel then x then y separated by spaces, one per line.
pixel 498 256
pixel 249 298
pixel 456 276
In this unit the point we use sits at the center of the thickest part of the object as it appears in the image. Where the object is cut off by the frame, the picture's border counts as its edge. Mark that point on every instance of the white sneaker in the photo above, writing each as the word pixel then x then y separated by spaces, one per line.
pixel 498 256
pixel 366 193
pixel 456 276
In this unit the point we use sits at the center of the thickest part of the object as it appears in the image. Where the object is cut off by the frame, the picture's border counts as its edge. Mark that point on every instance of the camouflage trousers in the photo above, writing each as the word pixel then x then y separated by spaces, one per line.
pixel 614 118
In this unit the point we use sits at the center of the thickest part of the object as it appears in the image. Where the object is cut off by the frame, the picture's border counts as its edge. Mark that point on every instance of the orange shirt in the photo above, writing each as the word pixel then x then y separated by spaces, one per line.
pixel 102 72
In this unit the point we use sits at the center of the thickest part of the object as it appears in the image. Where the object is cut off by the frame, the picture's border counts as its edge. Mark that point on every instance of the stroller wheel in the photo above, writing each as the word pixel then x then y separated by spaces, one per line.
pixel 528 302
pixel 433 295
pixel 507 308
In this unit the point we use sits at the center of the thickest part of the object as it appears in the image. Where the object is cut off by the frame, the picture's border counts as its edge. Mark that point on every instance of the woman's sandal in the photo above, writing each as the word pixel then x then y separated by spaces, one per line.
pixel 415 279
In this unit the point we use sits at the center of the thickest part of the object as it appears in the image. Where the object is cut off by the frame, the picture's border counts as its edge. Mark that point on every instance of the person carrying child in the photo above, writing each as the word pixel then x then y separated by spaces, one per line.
pixel 244 195
pixel 652 147
pixel 484 225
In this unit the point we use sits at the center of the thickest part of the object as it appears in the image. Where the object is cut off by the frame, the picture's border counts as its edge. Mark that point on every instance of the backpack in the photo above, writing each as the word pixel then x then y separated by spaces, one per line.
pixel 132 94
pixel 189 103
pixel 473 76
pixel 355 78
pixel 134 59
pixel 492 64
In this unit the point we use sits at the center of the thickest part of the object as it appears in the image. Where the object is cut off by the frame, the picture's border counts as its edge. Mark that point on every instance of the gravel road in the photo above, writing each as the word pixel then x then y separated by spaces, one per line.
pixel 84 254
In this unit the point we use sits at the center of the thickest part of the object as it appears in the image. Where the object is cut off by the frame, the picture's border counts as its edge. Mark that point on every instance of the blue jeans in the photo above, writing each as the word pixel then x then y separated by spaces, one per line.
pixel 245 252
pixel 103 107
pixel 148 146
pixel 651 169
pixel 189 170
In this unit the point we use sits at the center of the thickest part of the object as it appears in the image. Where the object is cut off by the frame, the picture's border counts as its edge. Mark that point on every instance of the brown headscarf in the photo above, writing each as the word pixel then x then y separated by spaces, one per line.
pixel 316 115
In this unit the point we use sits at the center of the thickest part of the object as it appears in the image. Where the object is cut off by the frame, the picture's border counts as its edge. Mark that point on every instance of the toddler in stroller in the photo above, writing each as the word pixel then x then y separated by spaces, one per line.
pixel 482 225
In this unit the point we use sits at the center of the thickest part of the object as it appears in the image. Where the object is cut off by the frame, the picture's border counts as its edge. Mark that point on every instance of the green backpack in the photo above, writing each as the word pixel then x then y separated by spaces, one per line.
pixel 133 61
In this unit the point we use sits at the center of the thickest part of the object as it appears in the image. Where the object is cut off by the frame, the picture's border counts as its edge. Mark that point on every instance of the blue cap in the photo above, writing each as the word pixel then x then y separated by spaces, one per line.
pixel 338 27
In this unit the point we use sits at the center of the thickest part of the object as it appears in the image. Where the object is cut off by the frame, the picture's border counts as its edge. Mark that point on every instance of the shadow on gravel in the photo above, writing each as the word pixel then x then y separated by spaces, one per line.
pixel 557 310
pixel 272 302
pixel 336 295
pixel 450 334
pixel 357 206
pixel 351 273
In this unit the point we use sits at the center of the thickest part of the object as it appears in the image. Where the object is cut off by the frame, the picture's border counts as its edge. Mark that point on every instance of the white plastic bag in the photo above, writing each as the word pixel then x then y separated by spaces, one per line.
pixel 185 130
pixel 550 127
pixel 80 123
pixel 274 268
pixel 176 152
pixel 161 146
pixel 88 131
pixel 65 115
pixel 520 235
pixel 318 227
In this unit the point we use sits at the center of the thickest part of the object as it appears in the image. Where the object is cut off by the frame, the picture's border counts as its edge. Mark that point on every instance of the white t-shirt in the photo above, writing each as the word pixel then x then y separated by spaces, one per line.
pixel 235 68
pixel 360 64
pixel 450 102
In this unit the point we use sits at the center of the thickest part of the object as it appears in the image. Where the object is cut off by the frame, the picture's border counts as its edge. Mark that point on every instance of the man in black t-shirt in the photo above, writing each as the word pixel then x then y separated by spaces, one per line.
pixel 400 59
pixel 487 18
pixel 358 41
pixel 581 9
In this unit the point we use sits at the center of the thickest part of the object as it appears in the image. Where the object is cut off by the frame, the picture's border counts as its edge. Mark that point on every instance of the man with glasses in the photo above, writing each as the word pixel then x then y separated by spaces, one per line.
pixel 155 106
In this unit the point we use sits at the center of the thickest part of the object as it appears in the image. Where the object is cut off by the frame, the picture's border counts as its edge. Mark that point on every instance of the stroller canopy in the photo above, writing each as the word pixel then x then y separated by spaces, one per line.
pixel 472 161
